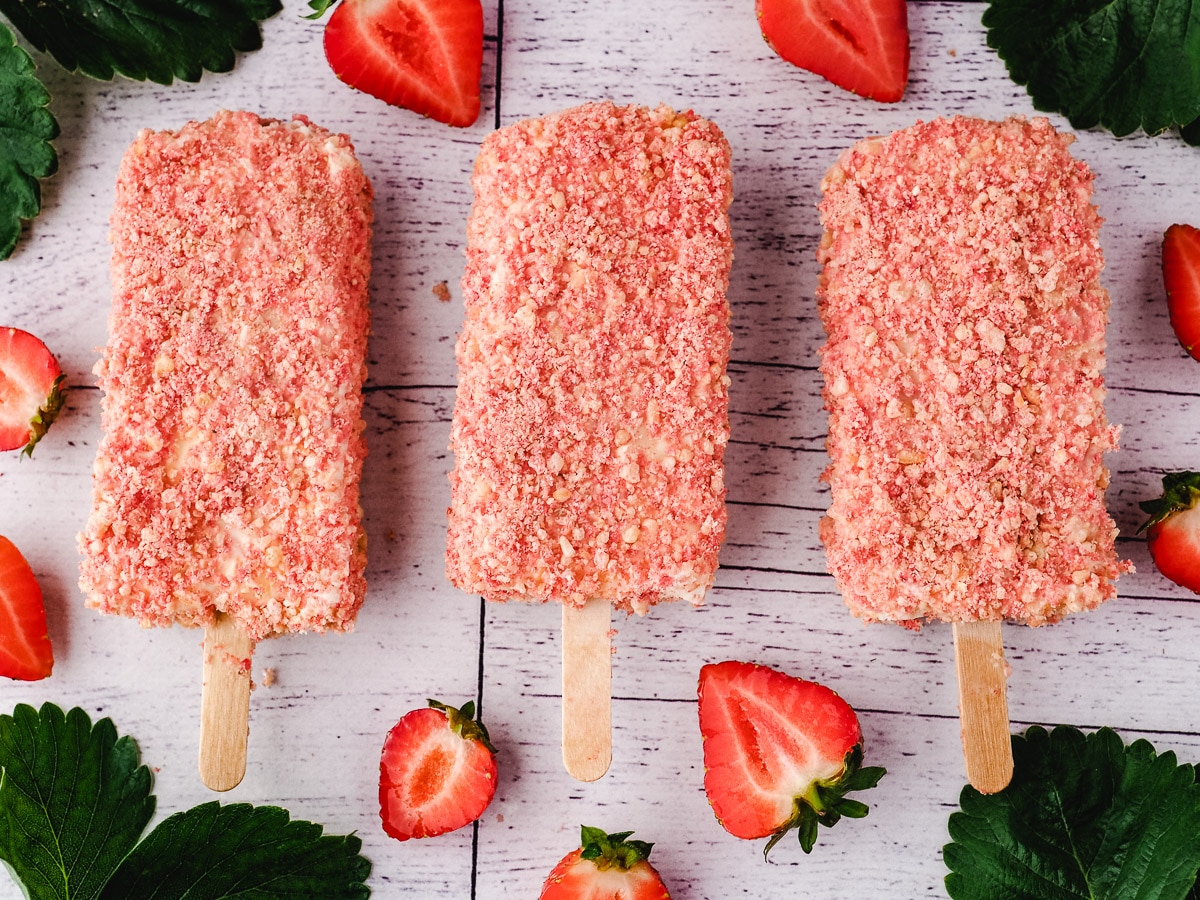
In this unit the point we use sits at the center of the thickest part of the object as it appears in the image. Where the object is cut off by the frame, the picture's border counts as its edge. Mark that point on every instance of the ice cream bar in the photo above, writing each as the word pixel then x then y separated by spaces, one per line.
pixel 592 411
pixel 227 477
pixel 965 321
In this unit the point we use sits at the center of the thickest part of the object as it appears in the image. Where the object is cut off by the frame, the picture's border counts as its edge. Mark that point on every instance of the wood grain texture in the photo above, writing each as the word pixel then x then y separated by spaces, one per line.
pixel 587 689
pixel 318 729
pixel 983 704
pixel 224 703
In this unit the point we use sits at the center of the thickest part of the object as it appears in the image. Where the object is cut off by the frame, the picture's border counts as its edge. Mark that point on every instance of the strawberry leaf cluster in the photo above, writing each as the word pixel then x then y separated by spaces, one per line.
pixel 1181 491
pixel 74 802
pixel 1084 816
pixel 609 851
pixel 826 802
pixel 1121 64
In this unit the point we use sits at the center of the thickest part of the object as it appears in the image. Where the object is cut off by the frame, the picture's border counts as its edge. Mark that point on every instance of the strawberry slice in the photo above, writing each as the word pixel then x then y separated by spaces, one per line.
pixel 779 753
pixel 437 772
pixel 31 391
pixel 1181 275
pixel 859 45
pixel 605 867
pixel 424 55
pixel 1173 529
pixel 25 652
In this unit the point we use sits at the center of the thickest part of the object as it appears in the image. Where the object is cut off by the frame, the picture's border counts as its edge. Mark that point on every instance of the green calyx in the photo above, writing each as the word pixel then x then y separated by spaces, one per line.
pixel 1181 491
pixel 44 417
pixel 825 802
pixel 463 722
pixel 612 851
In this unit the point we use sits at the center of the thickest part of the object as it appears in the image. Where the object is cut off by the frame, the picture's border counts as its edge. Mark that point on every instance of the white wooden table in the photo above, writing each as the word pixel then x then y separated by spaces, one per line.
pixel 316 733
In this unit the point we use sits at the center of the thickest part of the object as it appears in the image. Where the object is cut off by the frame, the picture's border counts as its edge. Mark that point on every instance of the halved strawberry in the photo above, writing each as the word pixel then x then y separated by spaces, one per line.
pixel 779 753
pixel 1173 529
pixel 31 391
pixel 437 772
pixel 1181 275
pixel 424 55
pixel 859 45
pixel 605 867
pixel 25 652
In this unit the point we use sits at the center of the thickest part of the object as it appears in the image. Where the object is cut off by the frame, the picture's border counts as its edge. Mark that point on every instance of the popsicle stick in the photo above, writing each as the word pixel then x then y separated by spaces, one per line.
pixel 225 704
pixel 587 689
pixel 983 704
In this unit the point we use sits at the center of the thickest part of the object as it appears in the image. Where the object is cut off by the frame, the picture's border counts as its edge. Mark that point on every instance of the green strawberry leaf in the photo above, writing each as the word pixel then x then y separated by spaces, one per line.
pixel 1122 64
pixel 73 800
pixel 240 851
pixel 158 40
pixel 1084 816
pixel 26 129
pixel 319 7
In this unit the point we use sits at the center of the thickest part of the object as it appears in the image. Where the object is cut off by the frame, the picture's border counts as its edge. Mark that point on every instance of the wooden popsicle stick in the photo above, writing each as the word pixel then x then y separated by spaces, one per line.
pixel 983 704
pixel 225 703
pixel 587 689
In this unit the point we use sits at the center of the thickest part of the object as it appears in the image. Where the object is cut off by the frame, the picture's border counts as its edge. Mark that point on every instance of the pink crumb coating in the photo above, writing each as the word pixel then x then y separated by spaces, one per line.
pixel 965 322
pixel 592 409
pixel 227 476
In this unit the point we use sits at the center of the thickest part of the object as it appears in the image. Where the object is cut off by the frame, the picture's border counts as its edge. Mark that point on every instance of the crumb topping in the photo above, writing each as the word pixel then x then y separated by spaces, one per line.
pixel 227 476
pixel 965 318
pixel 592 410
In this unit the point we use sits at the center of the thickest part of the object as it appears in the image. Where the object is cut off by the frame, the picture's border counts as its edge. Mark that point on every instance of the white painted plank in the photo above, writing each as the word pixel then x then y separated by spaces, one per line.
pixel 316 733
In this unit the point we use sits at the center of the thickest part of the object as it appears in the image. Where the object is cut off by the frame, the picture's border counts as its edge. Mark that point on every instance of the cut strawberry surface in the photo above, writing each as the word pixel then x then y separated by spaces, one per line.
pixel 859 45
pixel 25 652
pixel 437 772
pixel 1173 529
pixel 1181 276
pixel 423 55
pixel 779 753
pixel 31 391
pixel 605 867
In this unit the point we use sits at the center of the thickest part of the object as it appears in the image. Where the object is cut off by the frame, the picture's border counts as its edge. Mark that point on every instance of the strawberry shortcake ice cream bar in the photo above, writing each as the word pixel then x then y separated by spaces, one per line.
pixel 965 317
pixel 592 408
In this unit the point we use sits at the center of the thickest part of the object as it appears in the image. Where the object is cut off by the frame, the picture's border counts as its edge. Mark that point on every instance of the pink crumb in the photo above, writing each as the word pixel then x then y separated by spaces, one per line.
pixel 592 409
pixel 965 321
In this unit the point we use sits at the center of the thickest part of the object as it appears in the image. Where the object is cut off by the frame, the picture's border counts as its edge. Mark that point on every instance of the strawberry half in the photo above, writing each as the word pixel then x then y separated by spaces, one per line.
pixel 859 45
pixel 437 772
pixel 31 391
pixel 25 652
pixel 779 753
pixel 605 867
pixel 1173 529
pixel 424 55
pixel 1181 275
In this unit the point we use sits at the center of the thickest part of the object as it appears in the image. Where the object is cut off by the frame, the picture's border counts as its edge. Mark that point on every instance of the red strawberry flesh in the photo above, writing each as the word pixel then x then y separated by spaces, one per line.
pixel 436 775
pixel 859 45
pixel 424 55
pixel 1181 276
pixel 25 652
pixel 30 389
pixel 779 752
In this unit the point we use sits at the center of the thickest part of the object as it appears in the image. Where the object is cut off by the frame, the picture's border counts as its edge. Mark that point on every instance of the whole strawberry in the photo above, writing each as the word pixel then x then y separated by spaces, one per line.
pixel 1173 529
pixel 1181 277
pixel 779 753
pixel 437 772
pixel 605 867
